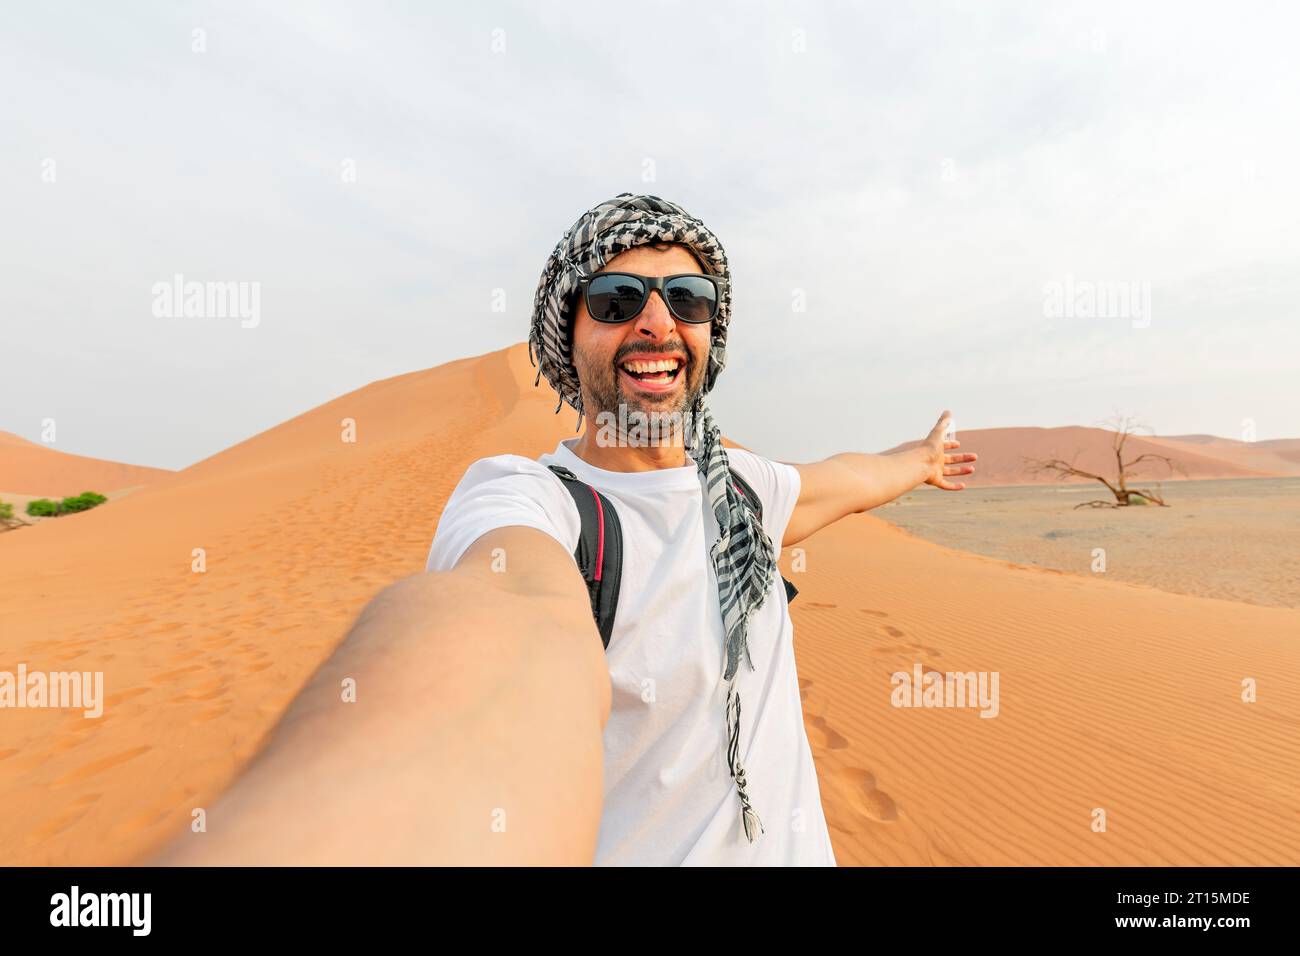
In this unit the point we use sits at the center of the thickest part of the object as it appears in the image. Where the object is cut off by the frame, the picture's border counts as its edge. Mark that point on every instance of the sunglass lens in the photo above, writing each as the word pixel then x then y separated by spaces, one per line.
pixel 614 298
pixel 692 298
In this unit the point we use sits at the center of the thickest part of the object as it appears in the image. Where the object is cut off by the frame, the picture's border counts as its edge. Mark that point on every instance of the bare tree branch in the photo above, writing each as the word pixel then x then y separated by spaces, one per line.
pixel 1124 426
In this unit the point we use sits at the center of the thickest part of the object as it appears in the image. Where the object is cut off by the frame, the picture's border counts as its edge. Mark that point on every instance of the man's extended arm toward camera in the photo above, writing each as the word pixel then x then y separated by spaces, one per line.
pixel 475 737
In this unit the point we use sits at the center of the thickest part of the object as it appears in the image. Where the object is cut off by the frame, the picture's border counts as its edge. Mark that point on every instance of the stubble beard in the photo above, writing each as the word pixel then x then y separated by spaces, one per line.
pixel 604 396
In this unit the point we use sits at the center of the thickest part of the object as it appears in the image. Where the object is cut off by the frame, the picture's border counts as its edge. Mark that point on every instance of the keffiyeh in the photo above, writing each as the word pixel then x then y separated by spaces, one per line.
pixel 743 556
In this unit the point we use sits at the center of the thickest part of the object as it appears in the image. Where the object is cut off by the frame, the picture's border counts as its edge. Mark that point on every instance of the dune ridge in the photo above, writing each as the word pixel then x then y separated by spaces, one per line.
pixel 28 468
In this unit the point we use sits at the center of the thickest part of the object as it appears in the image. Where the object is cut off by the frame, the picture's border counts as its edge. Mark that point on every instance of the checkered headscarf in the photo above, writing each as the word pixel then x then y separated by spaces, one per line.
pixel 743 555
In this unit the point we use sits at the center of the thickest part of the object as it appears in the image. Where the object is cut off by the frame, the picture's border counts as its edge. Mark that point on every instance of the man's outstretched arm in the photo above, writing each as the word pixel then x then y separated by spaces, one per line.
pixel 850 483
pixel 475 737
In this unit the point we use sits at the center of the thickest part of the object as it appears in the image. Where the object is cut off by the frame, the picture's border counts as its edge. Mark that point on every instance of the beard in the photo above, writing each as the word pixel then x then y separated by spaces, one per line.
pixel 606 398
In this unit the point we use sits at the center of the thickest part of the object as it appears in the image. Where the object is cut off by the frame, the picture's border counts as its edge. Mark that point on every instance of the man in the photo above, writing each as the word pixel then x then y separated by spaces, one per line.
pixel 501 729
pixel 622 352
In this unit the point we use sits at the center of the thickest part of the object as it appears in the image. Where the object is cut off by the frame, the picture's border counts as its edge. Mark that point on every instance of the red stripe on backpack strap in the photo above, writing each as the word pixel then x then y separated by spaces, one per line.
pixel 600 537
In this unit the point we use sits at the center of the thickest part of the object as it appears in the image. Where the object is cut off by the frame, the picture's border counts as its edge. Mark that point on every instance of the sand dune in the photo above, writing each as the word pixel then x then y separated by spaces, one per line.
pixel 27 468
pixel 1112 696
pixel 1280 456
pixel 1286 448
pixel 1002 452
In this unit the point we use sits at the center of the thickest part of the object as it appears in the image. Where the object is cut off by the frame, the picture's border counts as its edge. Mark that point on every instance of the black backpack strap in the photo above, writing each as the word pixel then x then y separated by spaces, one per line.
pixel 749 494
pixel 599 553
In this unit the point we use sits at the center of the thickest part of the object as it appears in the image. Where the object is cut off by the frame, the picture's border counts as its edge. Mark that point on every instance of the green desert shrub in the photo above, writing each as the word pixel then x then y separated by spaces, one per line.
pixel 45 508
pixel 83 502
pixel 6 511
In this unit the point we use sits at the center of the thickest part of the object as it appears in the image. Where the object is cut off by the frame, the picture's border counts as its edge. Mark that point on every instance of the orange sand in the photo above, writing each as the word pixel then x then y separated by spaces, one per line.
pixel 1111 696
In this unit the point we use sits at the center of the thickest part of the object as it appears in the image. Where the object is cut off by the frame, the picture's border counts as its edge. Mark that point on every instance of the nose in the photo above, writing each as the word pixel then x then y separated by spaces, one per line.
pixel 655 321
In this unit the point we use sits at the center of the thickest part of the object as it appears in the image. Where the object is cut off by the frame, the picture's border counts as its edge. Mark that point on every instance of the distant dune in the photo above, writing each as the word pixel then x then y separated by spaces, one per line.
pixel 1115 697
pixel 28 468
pixel 1279 456
pixel 1002 452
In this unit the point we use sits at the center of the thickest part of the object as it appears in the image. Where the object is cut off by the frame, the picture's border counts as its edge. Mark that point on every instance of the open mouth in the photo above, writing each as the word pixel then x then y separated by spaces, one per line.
pixel 653 375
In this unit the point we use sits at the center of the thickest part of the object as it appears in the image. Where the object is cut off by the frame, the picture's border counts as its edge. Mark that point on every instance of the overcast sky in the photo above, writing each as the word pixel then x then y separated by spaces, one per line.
pixel 915 175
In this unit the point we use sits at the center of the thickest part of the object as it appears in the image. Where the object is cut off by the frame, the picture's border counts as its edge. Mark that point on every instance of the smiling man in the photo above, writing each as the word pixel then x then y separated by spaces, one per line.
pixel 630 323
pixel 552 694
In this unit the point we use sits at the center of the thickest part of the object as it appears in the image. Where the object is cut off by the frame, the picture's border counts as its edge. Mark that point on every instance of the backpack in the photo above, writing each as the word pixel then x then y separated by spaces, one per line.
pixel 599 553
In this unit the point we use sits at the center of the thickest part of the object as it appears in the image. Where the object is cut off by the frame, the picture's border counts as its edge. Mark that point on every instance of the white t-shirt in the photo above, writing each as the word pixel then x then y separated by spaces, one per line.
pixel 669 798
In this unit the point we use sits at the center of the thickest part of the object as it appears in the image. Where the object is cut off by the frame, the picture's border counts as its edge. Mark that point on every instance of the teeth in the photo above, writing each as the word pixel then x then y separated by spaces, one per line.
pixel 663 365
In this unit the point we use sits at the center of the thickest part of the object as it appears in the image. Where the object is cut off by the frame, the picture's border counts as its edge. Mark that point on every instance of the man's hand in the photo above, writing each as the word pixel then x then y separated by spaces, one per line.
pixel 939 464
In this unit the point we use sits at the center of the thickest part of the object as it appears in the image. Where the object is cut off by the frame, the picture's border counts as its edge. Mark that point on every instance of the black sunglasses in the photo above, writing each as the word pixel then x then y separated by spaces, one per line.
pixel 620 296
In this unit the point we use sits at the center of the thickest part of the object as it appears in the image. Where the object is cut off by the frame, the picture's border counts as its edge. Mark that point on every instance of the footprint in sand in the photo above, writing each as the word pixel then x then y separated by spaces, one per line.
pixel 820 604
pixel 172 675
pixel 144 821
pixel 212 713
pixel 209 690
pixel 114 699
pixel 828 736
pixel 64 819
pixel 88 770
pixel 871 802
pixel 907 649
pixel 893 631
pixel 62 744
pixel 867 610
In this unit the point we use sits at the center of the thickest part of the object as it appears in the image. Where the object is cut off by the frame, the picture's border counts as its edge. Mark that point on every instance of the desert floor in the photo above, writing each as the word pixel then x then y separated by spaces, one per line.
pixel 1236 539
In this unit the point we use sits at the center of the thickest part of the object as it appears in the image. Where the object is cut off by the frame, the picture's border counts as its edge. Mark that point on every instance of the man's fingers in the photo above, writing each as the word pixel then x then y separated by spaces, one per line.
pixel 941 425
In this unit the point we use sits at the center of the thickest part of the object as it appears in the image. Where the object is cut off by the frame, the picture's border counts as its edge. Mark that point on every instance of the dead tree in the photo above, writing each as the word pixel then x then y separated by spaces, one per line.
pixel 1123 428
